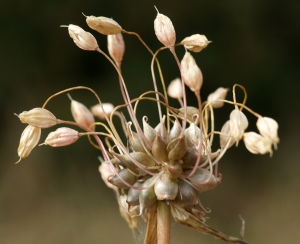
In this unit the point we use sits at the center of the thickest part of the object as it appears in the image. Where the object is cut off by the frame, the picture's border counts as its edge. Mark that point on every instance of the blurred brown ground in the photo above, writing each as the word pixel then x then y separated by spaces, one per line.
pixel 57 195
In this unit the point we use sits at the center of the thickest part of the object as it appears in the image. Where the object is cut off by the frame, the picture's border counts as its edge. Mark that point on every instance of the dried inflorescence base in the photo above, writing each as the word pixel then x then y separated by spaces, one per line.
pixel 162 169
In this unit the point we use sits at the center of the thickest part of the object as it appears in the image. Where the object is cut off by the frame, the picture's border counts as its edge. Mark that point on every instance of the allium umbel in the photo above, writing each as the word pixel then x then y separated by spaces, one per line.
pixel 156 171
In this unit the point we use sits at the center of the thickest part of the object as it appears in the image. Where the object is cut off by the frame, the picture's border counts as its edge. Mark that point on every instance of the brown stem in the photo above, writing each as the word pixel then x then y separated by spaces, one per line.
pixel 163 223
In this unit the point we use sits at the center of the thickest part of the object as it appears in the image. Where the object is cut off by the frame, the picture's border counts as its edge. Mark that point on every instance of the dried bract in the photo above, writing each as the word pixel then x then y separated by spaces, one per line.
pixel 82 39
pixel 103 25
pixel 38 117
pixel 195 43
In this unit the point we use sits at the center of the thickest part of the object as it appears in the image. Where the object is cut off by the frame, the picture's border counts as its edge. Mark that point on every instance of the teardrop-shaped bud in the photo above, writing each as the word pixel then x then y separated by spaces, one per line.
pixel 195 43
pixel 82 39
pixel 165 188
pixel 116 47
pixel 62 137
pixel 257 144
pixel 186 195
pixel 82 115
pixel 190 157
pixel 29 139
pixel 175 89
pixel 126 175
pixel 159 149
pixel 193 136
pixel 149 132
pixel 268 128
pixel 238 124
pixel 97 110
pixel 218 94
pixel 106 172
pixel 203 180
pixel 225 135
pixel 135 140
pixel 161 128
pixel 174 168
pixel 133 195
pixel 164 30
pixel 103 25
pixel 147 196
pixel 38 117
pixel 177 148
pixel 175 130
pixel 191 112
pixel 191 73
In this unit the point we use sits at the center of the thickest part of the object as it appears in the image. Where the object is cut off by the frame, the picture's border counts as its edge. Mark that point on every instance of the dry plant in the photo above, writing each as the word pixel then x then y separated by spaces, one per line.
pixel 157 171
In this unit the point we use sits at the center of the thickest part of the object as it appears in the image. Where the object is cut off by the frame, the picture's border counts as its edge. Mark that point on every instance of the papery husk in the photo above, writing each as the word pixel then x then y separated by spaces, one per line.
pixel 181 216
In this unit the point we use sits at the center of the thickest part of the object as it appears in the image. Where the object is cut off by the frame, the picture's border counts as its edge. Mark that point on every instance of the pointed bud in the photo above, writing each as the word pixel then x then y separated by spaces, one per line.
pixel 175 130
pixel 149 132
pixel 82 39
pixel 159 149
pixel 116 47
pixel 225 135
pixel 238 124
pixel 187 195
pixel 195 43
pixel 97 110
pixel 165 188
pixel 268 128
pixel 62 137
pixel 175 89
pixel 38 117
pixel 82 115
pixel 126 175
pixel 164 30
pixel 103 25
pixel 257 144
pixel 29 139
pixel 147 196
pixel 191 73
pixel 177 148
pixel 106 172
pixel 213 98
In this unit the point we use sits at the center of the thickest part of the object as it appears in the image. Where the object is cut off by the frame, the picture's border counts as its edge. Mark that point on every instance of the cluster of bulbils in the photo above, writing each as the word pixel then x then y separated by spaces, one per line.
pixel 172 162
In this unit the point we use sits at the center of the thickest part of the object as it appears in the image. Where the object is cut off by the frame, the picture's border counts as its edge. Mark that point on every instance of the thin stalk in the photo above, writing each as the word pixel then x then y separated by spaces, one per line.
pixel 163 223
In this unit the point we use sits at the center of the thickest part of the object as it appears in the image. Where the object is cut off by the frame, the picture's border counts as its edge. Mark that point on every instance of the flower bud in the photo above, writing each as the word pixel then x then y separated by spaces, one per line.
pixel 29 139
pixel 238 124
pixel 97 110
pixel 105 172
pixel 268 128
pixel 191 111
pixel 177 148
pixel 116 47
pixel 82 39
pixel 213 98
pixel 225 135
pixel 103 25
pixel 191 73
pixel 175 89
pixel 147 196
pixel 165 188
pixel 257 144
pixel 195 43
pixel 38 117
pixel 164 30
pixel 82 115
pixel 126 175
pixel 187 195
pixel 62 137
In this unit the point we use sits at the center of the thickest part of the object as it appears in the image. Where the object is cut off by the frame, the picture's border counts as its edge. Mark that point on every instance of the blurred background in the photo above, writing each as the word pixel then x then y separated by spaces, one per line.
pixel 57 195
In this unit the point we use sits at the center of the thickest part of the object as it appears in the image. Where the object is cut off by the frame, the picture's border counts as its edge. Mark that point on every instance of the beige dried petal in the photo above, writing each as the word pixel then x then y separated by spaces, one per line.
pixel 195 43
pixel 82 115
pixel 164 30
pixel 175 89
pixel 82 39
pixel 116 47
pixel 97 110
pixel 213 98
pixel 38 117
pixel 238 124
pixel 268 128
pixel 103 25
pixel 29 139
pixel 62 137
pixel 191 73
pixel 257 144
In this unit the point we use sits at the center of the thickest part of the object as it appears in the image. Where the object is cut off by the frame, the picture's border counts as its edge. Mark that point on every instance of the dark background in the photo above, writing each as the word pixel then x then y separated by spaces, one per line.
pixel 57 195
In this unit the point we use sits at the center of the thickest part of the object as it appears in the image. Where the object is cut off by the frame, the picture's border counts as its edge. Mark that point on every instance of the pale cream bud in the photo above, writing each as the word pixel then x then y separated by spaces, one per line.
pixel 256 143
pixel 191 112
pixel 105 172
pixel 62 137
pixel 175 89
pixel 116 47
pixel 225 135
pixel 191 73
pixel 238 124
pixel 213 98
pixel 82 39
pixel 268 128
pixel 164 30
pixel 29 139
pixel 82 115
pixel 98 111
pixel 103 25
pixel 38 117
pixel 195 43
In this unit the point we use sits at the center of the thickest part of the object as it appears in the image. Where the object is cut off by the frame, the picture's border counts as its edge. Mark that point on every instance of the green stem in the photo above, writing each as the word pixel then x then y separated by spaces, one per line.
pixel 163 223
